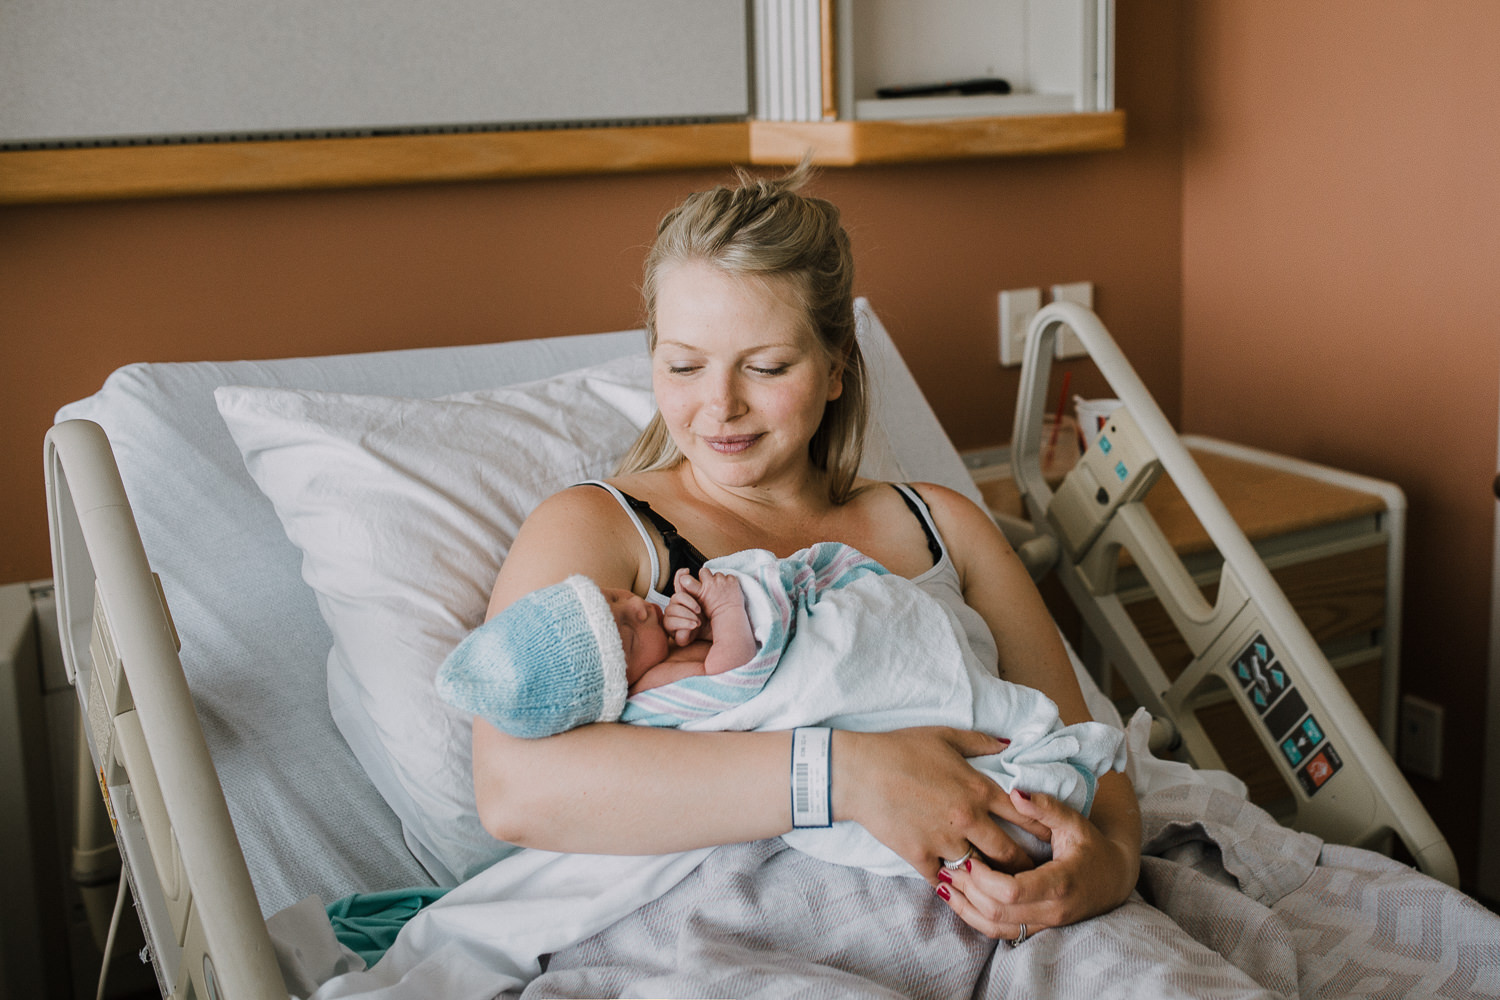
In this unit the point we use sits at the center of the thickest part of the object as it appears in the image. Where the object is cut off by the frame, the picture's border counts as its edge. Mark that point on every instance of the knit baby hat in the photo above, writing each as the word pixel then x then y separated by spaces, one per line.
pixel 551 661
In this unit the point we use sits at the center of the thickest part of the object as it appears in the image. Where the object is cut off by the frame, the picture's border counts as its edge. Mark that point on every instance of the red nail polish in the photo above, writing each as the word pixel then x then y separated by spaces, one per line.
pixel 943 875
pixel 942 890
pixel 1024 795
pixel 968 865
pixel 1002 739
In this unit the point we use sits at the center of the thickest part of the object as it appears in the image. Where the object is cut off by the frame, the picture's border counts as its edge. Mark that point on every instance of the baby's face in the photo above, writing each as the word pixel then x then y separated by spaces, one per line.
pixel 641 631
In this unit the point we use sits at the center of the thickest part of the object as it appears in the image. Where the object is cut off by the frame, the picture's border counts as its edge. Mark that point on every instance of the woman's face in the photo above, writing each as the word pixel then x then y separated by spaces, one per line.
pixel 740 379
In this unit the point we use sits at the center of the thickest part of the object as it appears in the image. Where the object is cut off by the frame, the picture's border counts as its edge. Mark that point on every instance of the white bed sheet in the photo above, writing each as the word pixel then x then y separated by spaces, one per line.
pixel 253 644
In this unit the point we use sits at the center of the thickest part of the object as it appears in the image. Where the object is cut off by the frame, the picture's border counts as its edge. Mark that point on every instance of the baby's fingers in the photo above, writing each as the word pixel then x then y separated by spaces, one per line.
pixel 682 628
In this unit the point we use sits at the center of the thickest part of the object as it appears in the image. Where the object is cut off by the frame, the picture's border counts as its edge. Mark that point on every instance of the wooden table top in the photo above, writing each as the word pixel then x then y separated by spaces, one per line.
pixel 1265 501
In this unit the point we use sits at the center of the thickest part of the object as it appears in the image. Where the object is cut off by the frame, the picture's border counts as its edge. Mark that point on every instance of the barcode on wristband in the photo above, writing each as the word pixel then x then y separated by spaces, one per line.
pixel 812 790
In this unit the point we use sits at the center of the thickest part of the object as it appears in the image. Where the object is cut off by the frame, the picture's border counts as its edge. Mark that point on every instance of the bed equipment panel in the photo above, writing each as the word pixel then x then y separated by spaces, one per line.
pixel 1250 642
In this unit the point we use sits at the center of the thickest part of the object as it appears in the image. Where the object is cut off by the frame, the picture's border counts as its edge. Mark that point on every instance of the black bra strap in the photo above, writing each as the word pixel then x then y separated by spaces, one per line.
pixel 680 552
pixel 933 545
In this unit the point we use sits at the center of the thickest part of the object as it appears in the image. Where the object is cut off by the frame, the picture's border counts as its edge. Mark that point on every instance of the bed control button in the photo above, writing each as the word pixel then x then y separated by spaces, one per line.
pixel 1257 667
pixel 1324 765
pixel 1302 741
pixel 1285 714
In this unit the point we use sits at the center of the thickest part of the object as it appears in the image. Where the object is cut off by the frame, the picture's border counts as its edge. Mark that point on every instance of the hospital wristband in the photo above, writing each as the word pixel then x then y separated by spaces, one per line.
pixel 812 778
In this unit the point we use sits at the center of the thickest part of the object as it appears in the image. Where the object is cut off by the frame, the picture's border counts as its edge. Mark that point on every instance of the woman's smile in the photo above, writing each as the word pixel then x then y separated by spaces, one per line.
pixel 731 444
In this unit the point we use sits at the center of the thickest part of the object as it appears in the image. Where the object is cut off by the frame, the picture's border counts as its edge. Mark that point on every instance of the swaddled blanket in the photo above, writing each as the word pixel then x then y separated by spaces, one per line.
pixel 844 643
pixel 840 642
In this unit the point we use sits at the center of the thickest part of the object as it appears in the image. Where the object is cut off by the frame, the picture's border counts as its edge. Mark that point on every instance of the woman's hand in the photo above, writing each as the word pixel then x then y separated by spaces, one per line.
pixel 1089 874
pixel 916 793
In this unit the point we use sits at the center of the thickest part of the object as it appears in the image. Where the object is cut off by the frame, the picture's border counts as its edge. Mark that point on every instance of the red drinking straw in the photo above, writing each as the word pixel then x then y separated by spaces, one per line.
pixel 1062 404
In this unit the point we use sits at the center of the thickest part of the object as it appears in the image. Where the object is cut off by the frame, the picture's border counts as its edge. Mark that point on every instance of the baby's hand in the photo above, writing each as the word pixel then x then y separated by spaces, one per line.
pixel 719 593
pixel 683 616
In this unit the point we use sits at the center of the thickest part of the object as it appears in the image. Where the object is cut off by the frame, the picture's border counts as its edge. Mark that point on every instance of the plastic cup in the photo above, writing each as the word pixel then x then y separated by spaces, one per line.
pixel 1093 414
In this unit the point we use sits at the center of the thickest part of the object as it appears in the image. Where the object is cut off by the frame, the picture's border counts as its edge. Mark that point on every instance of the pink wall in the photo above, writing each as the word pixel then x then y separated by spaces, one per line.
pixel 1307 263
pixel 86 288
pixel 1341 246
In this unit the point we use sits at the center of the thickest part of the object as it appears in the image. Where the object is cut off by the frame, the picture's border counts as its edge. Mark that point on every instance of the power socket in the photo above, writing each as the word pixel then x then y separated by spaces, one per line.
pixel 1017 307
pixel 1421 746
pixel 1067 344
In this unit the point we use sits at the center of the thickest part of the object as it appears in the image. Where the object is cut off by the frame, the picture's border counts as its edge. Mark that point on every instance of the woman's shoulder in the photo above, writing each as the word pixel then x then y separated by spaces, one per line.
pixel 943 501
pixel 586 498
pixel 581 529
pixel 580 518
pixel 959 517
pixel 947 498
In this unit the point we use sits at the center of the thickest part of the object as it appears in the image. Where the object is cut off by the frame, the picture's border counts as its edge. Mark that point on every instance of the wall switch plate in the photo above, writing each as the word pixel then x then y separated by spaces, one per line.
pixel 1017 307
pixel 1067 344
pixel 1421 747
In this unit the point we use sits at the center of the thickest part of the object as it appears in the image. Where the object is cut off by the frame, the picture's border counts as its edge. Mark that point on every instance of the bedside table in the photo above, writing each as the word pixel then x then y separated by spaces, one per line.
pixel 1334 543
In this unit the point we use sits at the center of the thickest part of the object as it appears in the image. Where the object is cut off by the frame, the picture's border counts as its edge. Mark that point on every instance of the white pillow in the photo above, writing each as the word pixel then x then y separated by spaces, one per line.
pixel 403 510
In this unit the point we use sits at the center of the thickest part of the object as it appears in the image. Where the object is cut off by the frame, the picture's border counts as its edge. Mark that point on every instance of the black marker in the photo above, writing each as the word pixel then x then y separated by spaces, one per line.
pixel 979 85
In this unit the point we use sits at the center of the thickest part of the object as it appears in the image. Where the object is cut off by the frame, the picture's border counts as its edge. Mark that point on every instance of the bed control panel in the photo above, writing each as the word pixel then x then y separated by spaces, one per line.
pixel 1284 714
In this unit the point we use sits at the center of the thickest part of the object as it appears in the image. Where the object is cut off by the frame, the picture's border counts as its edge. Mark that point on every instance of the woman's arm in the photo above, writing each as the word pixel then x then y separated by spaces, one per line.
pixel 613 788
pixel 1095 859
pixel 618 789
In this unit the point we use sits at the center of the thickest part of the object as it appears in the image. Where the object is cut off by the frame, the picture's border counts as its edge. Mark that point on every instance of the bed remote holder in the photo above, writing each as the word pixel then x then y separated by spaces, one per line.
pixel 1249 645
pixel 1119 467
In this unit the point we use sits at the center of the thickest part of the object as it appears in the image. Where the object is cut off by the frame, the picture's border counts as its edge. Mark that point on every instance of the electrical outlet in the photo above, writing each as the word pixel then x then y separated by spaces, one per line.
pixel 1017 307
pixel 1421 747
pixel 1067 344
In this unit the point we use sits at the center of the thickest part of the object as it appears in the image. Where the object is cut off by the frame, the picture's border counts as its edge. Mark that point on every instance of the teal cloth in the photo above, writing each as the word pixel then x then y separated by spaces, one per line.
pixel 367 922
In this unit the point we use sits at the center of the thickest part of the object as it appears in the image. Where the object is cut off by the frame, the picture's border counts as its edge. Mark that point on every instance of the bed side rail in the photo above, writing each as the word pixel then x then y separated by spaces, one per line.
pixel 188 875
pixel 1250 642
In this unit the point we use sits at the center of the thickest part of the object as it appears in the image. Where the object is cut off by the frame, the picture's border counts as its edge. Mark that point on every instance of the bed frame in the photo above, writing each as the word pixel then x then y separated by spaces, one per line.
pixel 188 875
pixel 1344 786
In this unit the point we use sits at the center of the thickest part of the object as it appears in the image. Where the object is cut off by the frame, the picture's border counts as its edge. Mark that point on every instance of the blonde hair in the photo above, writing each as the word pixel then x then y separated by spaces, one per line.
pixel 765 228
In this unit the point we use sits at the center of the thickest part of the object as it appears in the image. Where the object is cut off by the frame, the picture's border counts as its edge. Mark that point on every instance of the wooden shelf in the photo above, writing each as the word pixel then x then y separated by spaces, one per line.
pixel 846 144
pixel 111 173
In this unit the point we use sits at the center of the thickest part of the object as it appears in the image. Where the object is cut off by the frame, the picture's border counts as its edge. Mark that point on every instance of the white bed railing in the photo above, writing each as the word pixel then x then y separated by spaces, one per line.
pixel 186 870
pixel 1343 783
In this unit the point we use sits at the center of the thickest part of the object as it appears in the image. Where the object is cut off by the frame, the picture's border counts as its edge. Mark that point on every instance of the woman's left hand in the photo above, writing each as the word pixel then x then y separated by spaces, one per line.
pixel 1089 874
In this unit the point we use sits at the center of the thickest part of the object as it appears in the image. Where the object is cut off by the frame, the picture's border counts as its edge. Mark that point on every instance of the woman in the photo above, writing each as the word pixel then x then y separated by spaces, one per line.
pixel 761 394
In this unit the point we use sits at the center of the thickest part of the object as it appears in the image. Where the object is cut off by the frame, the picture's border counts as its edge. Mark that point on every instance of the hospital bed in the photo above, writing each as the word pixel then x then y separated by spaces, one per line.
pixel 203 577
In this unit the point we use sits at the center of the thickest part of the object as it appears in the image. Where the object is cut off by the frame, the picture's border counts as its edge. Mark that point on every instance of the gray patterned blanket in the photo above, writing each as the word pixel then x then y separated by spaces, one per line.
pixel 1229 904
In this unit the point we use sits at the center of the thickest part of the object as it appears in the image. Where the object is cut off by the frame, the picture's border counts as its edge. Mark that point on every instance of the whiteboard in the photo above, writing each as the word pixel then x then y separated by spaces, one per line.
pixel 112 70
